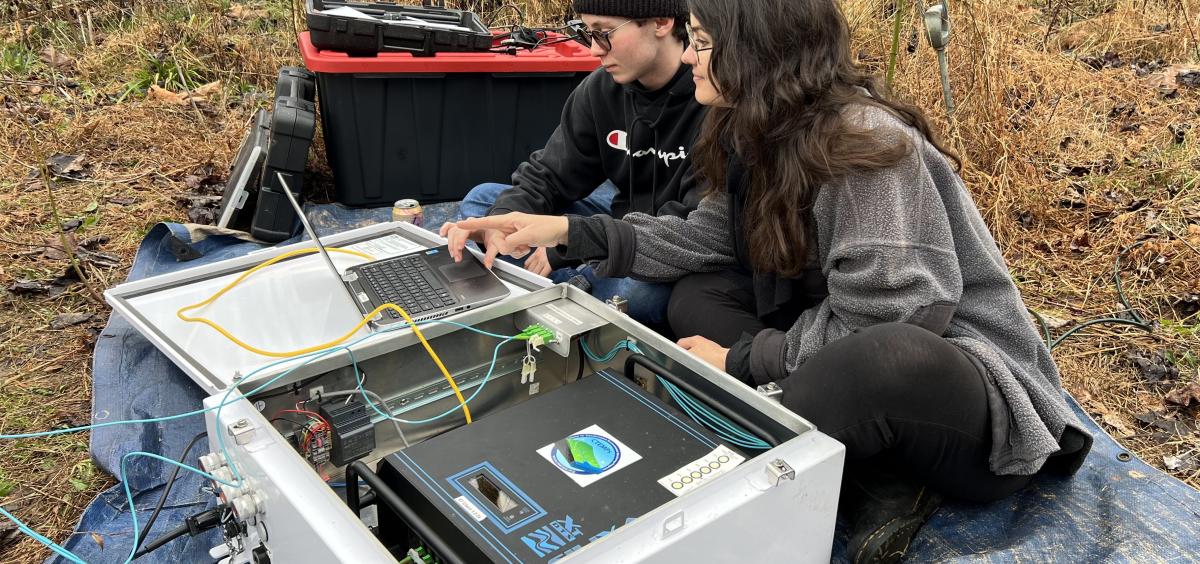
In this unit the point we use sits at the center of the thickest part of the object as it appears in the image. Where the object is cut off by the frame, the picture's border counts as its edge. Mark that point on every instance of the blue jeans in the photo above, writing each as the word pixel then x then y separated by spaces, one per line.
pixel 647 301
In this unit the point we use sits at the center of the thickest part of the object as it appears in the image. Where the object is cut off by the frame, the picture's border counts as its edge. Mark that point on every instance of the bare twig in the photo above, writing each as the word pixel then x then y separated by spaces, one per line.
pixel 1053 22
pixel 62 234
pixel 187 89
pixel 1187 22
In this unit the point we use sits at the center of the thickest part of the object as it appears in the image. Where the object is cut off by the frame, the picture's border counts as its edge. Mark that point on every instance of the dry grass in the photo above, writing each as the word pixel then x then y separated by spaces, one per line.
pixel 1068 164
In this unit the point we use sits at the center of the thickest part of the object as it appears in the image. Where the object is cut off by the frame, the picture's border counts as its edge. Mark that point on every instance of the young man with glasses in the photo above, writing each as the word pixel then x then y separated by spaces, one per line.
pixel 623 144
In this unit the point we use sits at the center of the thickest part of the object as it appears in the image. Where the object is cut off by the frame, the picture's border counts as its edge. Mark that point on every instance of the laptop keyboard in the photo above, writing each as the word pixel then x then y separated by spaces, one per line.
pixel 408 283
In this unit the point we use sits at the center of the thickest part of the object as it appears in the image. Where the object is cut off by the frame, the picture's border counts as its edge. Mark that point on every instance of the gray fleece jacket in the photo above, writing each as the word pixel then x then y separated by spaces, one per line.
pixel 902 244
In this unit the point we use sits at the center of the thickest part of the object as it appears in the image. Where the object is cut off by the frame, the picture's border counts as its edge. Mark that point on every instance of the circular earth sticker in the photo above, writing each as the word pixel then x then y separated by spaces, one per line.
pixel 586 454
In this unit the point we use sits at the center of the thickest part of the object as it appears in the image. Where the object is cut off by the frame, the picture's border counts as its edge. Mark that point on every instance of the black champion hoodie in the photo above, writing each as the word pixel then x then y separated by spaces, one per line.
pixel 639 139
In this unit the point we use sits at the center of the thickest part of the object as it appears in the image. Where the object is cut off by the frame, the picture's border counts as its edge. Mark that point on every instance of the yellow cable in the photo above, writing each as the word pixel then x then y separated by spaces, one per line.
pixel 288 354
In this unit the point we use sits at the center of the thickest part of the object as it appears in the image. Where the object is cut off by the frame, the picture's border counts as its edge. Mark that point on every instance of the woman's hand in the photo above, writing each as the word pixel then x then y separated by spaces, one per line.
pixel 707 350
pixel 538 263
pixel 512 234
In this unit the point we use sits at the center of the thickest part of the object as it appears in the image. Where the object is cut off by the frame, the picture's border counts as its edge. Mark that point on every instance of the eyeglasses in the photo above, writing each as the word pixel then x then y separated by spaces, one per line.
pixel 585 36
pixel 698 45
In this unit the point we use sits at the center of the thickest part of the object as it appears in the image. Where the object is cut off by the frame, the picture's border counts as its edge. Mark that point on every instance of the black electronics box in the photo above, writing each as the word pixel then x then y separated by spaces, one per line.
pixel 490 492
pixel 420 30
pixel 353 433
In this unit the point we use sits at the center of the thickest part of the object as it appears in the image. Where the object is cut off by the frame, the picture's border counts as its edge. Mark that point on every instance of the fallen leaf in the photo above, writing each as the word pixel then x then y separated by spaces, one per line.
pixel 64 320
pixel 93 243
pixel 1184 396
pixel 67 165
pixel 122 200
pixel 1080 240
pixel 207 89
pixel 35 89
pixel 54 58
pixel 54 251
pixel 8 533
pixel 99 540
pixel 1054 322
pixel 243 12
pixel 1158 420
pixel 72 224
pixel 1116 423
pixel 35 287
pixel 1153 367
pixel 92 207
pixel 159 93
pixel 103 260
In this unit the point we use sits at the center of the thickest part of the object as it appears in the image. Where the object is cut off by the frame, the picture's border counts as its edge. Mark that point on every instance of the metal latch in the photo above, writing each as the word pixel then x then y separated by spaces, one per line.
pixel 778 471
pixel 241 431
pixel 771 391
pixel 618 303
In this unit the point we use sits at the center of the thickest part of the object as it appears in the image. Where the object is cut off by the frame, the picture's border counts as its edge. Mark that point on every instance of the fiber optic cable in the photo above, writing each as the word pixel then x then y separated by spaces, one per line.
pixel 694 409
pixel 220 438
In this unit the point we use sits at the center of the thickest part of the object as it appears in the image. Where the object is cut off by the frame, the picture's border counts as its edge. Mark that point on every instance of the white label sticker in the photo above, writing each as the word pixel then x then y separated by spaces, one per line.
pixel 566 315
pixel 691 476
pixel 470 508
pixel 387 246
pixel 589 455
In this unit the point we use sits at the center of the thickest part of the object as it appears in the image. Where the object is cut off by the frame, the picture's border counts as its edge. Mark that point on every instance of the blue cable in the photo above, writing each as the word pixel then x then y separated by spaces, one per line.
pixel 700 414
pixel 359 380
pixel 694 409
pixel 710 415
pixel 310 357
pixel 165 418
pixel 21 526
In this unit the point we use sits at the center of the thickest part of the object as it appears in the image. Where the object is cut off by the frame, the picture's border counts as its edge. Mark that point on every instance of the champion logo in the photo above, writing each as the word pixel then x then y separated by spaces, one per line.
pixel 619 140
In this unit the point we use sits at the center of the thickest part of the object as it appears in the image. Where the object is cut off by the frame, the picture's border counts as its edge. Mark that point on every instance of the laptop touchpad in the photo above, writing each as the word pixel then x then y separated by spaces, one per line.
pixel 464 270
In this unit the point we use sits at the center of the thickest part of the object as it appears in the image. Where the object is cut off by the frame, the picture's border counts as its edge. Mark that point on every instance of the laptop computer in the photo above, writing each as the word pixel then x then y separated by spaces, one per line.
pixel 428 284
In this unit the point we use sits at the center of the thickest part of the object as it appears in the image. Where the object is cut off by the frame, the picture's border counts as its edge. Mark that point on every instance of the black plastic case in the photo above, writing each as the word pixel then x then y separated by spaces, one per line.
pixel 245 176
pixel 293 123
pixel 296 82
pixel 360 37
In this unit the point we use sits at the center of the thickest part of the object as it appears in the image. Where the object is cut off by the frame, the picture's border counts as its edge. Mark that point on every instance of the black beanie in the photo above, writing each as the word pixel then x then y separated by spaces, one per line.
pixel 632 9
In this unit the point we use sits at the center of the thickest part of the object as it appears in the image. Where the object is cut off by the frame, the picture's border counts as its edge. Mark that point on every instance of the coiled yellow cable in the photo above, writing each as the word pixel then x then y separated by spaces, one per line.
pixel 288 354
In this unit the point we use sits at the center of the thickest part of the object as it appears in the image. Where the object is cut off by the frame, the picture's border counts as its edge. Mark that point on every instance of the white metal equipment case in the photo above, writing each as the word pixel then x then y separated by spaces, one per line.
pixel 777 505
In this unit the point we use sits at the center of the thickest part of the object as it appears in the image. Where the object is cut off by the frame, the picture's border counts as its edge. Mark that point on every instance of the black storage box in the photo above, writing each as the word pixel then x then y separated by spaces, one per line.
pixel 432 128
pixel 462 31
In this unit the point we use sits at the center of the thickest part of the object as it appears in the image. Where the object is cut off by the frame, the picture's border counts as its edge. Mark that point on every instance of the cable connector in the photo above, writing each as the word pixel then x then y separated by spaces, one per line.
pixel 538 335
pixel 205 520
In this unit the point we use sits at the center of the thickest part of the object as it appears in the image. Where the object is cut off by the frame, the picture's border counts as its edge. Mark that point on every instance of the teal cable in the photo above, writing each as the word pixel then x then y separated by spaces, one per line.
pixel 58 549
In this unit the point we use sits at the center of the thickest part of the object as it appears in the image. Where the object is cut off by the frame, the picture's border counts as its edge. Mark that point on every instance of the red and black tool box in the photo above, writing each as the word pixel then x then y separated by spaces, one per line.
pixel 431 128
pixel 420 30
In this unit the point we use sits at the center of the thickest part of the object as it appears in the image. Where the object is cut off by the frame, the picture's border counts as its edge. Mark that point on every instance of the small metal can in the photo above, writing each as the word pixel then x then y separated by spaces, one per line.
pixel 408 211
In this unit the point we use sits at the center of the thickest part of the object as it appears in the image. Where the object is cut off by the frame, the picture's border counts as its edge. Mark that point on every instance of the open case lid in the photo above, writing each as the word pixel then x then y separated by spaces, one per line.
pixel 290 305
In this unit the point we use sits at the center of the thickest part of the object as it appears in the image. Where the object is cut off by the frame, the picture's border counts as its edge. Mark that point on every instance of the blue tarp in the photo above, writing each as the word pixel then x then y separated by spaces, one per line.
pixel 1116 508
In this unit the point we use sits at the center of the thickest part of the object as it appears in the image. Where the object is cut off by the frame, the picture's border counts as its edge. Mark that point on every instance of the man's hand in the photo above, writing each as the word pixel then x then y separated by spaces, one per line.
pixel 538 263
pixel 518 233
pixel 707 350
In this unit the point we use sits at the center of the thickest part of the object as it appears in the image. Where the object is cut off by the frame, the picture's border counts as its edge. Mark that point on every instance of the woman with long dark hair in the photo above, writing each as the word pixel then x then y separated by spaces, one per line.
pixel 839 255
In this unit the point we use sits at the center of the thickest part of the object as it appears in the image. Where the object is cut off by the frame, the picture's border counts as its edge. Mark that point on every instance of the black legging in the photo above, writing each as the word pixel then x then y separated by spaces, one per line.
pixel 898 396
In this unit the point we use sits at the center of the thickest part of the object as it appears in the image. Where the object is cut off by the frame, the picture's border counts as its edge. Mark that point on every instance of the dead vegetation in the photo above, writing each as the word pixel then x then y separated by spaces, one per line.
pixel 1077 121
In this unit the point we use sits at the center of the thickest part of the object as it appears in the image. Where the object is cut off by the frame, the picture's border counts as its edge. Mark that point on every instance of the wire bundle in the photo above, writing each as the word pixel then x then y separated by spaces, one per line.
pixel 697 411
